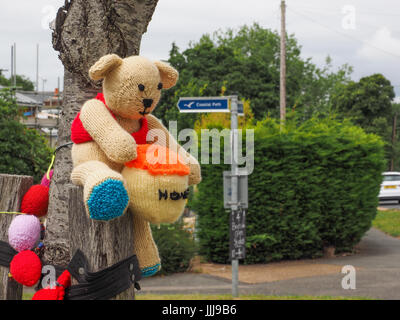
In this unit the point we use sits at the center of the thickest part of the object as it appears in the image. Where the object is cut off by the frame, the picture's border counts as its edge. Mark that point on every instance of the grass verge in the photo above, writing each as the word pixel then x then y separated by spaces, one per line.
pixel 388 221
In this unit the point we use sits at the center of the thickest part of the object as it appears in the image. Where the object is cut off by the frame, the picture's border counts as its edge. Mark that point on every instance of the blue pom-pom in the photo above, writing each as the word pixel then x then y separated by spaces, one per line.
pixel 149 271
pixel 108 200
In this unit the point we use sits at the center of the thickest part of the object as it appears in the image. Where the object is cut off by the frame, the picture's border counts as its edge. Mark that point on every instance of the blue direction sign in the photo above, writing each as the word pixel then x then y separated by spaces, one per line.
pixel 204 104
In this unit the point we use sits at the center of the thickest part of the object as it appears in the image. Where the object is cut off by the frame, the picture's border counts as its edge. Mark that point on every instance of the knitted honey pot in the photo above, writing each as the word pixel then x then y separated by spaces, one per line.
pixel 158 183
pixel 108 132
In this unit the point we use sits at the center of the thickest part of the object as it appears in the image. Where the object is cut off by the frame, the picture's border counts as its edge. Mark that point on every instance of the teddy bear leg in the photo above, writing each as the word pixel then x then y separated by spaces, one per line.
pixel 104 190
pixel 145 247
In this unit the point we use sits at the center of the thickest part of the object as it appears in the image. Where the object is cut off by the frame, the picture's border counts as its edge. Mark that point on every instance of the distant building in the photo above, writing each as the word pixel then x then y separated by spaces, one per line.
pixel 41 110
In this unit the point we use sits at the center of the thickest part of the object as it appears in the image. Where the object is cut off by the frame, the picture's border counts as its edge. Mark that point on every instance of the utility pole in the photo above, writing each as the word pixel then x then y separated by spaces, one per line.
pixel 12 64
pixel 43 81
pixel 37 68
pixel 13 79
pixel 283 64
pixel 15 67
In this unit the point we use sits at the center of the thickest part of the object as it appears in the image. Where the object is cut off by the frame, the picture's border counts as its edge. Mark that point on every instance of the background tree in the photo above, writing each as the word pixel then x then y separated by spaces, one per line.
pixel 3 80
pixel 84 31
pixel 395 141
pixel 369 103
pixel 22 82
pixel 246 62
pixel 23 151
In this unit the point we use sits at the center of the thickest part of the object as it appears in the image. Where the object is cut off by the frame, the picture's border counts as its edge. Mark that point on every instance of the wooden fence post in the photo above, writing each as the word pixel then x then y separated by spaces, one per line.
pixel 12 190
pixel 104 243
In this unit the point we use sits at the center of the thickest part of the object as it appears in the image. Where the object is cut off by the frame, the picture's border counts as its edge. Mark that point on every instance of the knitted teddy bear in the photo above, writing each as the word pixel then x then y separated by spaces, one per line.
pixel 107 134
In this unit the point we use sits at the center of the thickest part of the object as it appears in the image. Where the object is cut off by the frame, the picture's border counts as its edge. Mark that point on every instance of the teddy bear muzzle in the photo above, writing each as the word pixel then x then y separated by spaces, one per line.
pixel 147 103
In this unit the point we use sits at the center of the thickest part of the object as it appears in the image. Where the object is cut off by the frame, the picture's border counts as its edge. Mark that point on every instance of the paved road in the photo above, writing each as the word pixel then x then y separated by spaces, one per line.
pixel 390 204
pixel 378 276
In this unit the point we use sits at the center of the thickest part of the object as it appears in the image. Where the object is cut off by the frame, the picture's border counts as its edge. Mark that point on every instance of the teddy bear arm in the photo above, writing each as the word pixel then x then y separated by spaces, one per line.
pixel 167 140
pixel 118 145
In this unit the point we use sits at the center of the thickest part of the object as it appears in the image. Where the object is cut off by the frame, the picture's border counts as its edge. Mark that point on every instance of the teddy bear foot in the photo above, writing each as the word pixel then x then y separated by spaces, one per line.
pixel 150 271
pixel 107 200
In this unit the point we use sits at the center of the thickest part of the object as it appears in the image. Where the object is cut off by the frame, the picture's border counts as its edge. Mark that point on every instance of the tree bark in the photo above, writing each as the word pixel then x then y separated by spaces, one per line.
pixel 12 190
pixel 84 31
pixel 103 243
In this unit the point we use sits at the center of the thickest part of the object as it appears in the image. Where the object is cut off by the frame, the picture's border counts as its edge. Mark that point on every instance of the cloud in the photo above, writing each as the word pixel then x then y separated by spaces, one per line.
pixel 381 45
pixel 185 21
pixel 25 22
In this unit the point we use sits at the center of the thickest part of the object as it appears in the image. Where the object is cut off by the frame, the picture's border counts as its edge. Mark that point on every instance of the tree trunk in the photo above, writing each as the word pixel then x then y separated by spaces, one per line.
pixel 84 31
pixel 393 155
pixel 12 190
pixel 100 241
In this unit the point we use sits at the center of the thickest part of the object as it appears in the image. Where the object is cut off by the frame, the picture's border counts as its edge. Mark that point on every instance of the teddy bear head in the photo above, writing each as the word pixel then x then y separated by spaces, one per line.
pixel 132 86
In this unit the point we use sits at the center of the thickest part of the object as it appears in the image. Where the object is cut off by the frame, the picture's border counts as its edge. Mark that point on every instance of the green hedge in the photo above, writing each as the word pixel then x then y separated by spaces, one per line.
pixel 313 185
pixel 176 247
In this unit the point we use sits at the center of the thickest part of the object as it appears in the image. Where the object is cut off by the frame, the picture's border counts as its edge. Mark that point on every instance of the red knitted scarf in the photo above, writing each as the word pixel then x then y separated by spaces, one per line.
pixel 80 135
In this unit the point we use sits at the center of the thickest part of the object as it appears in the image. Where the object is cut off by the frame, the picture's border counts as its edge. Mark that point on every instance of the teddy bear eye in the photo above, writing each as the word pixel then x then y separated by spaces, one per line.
pixel 159 86
pixel 141 87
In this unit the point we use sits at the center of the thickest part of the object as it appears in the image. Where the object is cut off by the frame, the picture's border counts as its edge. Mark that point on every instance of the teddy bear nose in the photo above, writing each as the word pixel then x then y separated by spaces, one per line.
pixel 147 103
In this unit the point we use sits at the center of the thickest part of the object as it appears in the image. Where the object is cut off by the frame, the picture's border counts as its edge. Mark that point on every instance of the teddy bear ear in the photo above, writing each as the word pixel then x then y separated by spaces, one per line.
pixel 169 76
pixel 103 66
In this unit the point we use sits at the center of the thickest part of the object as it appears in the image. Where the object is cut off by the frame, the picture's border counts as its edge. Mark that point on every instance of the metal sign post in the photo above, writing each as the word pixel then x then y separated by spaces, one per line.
pixel 234 187
pixel 242 186
pixel 235 181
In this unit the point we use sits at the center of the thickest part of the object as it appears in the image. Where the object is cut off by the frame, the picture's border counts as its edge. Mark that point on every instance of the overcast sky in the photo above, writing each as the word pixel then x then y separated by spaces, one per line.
pixel 363 33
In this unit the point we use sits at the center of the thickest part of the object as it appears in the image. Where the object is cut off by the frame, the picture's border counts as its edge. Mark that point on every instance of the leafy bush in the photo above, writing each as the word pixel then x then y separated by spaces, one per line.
pixel 176 247
pixel 245 61
pixel 23 151
pixel 314 185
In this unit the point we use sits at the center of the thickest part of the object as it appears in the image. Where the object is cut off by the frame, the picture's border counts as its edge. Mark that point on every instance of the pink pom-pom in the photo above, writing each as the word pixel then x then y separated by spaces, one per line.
pixel 46 182
pixel 24 232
